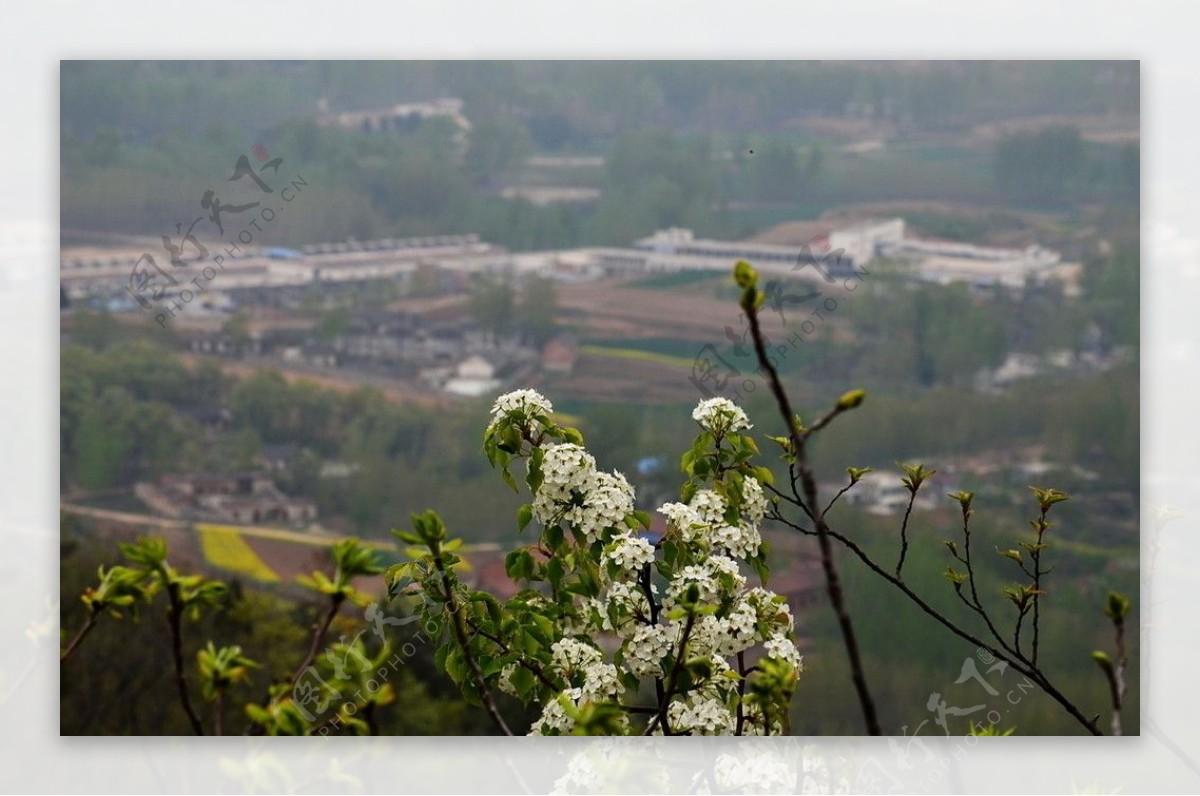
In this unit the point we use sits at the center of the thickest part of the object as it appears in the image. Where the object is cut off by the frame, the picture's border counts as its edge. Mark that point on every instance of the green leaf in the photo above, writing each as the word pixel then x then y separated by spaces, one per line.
pixel 764 475
pixel 1015 555
pixel 522 681
pixel 954 576
pixel 524 516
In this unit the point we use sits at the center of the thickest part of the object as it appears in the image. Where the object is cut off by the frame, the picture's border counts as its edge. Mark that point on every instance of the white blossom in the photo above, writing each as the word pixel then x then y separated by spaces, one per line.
pixel 505 681
pixel 565 468
pixel 568 656
pixel 739 629
pixel 741 541
pixel 644 650
pixel 716 578
pixel 601 682
pixel 554 719
pixel 772 609
pixel 720 416
pixel 607 501
pixel 754 500
pixel 783 648
pixel 628 552
pixel 700 715
pixel 709 506
pixel 527 402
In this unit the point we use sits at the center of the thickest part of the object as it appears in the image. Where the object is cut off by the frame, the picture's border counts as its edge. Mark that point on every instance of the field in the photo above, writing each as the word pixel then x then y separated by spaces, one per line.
pixel 225 548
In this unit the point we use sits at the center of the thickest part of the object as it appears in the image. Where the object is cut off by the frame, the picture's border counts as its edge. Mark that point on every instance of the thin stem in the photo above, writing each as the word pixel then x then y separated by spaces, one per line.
pixel 370 718
pixel 219 713
pixel 832 582
pixel 1019 663
pixel 1117 681
pixel 322 627
pixel 319 631
pixel 460 634
pixel 741 714
pixel 1037 583
pixel 88 624
pixel 841 492
pixel 672 679
pixel 659 689
pixel 912 498
pixel 521 661
pixel 174 617
pixel 976 604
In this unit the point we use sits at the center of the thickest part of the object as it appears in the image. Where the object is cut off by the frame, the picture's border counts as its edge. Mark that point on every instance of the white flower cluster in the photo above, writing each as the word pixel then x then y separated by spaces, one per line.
pixel 771 609
pixel 628 552
pixel 574 492
pixel 644 650
pixel 607 501
pixel 701 715
pixel 720 416
pixel 782 647
pixel 554 719
pixel 742 540
pixel 569 656
pixel 702 520
pixel 594 505
pixel 527 402
pixel 716 579
pixel 754 500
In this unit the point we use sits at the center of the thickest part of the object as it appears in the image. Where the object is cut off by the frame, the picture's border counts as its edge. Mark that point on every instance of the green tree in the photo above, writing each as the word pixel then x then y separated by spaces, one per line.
pixel 492 305
pixel 1043 166
pixel 537 310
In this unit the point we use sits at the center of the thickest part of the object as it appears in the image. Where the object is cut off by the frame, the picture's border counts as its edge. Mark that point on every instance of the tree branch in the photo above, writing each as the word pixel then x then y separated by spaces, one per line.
pixel 88 624
pixel 174 617
pixel 672 679
pixel 912 498
pixel 460 634
pixel 832 582
pixel 1019 663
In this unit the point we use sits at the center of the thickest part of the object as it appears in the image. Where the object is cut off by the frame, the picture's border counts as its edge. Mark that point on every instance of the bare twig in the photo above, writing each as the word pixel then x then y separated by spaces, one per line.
pixel 321 628
pixel 841 492
pixel 1037 583
pixel 832 582
pixel 912 498
pixel 1018 663
pixel 219 713
pixel 88 624
pixel 174 619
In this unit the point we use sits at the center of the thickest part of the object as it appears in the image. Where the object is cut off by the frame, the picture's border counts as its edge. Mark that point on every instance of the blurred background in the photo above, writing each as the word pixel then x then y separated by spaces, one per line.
pixel 291 290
